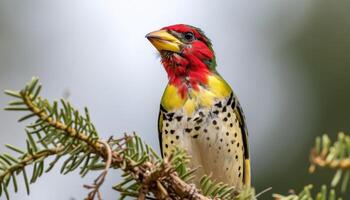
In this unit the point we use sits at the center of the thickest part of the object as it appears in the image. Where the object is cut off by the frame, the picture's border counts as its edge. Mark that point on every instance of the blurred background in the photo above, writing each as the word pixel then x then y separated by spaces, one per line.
pixel 288 61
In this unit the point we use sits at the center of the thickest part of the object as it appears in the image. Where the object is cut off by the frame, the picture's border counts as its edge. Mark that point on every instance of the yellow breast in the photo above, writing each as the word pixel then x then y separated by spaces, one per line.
pixel 216 89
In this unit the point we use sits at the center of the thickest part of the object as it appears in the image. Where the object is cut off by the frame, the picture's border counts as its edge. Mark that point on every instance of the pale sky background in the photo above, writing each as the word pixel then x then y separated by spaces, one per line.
pixel 267 50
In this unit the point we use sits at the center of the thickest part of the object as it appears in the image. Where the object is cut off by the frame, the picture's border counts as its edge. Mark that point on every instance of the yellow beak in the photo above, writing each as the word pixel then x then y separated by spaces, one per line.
pixel 164 41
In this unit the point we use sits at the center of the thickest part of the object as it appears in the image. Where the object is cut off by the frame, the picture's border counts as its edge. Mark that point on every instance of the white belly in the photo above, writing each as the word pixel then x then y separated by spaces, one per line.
pixel 213 139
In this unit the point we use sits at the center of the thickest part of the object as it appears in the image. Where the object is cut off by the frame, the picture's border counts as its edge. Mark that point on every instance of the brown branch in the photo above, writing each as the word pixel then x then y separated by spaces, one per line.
pixel 160 180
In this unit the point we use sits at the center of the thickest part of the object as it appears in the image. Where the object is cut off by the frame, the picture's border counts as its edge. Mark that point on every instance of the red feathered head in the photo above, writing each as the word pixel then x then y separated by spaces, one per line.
pixel 187 54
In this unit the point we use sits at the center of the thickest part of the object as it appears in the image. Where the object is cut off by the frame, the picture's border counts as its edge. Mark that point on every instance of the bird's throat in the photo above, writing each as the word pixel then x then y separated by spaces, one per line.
pixel 186 73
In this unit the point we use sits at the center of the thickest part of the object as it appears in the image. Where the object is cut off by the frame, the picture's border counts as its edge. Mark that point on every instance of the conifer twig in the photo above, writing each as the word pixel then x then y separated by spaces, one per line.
pixel 29 159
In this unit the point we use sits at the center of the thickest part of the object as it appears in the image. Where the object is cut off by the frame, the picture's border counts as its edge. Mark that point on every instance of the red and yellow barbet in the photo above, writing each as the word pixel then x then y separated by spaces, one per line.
pixel 199 111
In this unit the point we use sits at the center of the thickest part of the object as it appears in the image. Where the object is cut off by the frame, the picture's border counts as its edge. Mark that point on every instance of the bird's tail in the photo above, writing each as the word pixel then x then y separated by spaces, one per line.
pixel 247 177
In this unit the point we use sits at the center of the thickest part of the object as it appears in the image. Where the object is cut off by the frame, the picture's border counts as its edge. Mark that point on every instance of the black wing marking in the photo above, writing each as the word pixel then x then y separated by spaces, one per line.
pixel 243 125
pixel 160 127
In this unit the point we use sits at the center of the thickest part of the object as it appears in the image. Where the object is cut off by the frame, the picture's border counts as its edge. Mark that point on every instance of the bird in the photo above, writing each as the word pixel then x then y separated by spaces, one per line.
pixel 199 112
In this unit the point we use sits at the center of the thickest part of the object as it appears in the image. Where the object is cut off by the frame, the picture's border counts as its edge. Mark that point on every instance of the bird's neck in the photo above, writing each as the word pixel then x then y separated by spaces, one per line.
pixel 205 96
pixel 186 72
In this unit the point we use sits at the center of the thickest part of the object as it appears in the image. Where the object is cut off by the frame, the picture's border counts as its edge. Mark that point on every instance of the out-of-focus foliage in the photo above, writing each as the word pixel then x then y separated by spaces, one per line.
pixel 334 156
pixel 306 194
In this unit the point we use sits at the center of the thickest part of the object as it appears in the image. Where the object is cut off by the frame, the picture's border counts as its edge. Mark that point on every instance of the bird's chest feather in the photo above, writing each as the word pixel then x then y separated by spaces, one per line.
pixel 207 127
pixel 216 89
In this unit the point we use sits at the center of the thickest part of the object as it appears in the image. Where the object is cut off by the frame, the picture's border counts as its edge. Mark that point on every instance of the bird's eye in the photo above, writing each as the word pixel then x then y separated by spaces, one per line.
pixel 189 36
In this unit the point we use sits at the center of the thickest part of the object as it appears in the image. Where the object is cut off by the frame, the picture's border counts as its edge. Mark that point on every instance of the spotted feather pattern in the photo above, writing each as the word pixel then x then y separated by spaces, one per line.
pixel 214 137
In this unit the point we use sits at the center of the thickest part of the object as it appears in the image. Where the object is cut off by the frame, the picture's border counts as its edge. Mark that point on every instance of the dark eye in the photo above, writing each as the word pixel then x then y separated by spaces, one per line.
pixel 189 36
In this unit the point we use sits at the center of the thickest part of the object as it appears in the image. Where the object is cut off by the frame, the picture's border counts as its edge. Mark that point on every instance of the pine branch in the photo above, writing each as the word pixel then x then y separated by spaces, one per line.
pixel 11 165
pixel 334 156
pixel 60 131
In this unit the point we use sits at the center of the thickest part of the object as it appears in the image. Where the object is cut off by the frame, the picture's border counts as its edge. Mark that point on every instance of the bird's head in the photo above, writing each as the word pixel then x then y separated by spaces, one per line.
pixel 186 54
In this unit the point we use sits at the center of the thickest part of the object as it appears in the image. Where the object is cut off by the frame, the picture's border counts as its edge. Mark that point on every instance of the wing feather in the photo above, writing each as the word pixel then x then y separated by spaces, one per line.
pixel 160 127
pixel 242 122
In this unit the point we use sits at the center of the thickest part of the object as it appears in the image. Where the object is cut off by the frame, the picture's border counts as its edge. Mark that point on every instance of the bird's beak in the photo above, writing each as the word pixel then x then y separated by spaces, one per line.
pixel 164 41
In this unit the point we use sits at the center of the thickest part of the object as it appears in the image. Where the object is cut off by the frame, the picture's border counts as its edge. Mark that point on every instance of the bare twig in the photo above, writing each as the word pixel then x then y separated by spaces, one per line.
pixel 101 178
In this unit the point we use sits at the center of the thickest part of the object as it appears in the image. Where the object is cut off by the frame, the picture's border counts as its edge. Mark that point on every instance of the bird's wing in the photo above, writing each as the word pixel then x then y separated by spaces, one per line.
pixel 160 127
pixel 239 113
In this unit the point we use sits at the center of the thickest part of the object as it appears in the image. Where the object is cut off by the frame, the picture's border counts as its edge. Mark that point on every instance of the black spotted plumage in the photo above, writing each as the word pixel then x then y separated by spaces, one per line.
pixel 202 127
